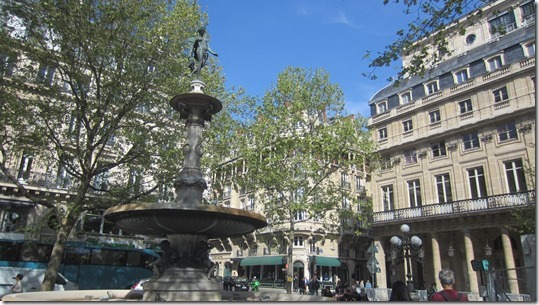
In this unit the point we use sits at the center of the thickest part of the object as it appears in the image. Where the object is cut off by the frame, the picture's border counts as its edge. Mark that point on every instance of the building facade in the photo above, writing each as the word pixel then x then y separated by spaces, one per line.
pixel 458 156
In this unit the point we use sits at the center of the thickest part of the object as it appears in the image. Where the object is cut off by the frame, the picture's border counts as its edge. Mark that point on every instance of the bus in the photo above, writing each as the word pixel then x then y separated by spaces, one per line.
pixel 90 267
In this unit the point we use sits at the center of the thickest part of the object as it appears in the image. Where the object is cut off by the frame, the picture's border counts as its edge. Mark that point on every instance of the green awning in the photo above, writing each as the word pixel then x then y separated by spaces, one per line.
pixel 326 261
pixel 262 260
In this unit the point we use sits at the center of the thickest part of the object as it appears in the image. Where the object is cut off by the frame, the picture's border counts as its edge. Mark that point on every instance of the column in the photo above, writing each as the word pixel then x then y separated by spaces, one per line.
pixel 472 275
pixel 381 281
pixel 509 261
pixel 436 259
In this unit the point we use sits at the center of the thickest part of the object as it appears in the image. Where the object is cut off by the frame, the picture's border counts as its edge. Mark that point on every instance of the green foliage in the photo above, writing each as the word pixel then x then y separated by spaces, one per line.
pixel 300 139
pixel 431 20
pixel 116 65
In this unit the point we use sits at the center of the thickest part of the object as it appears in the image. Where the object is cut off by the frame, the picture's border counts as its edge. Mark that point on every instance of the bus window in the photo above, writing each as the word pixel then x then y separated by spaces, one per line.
pixel 108 257
pixel 9 251
pixel 74 258
pixel 35 253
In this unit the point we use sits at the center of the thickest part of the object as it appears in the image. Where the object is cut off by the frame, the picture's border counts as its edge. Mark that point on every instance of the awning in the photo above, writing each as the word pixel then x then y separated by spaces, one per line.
pixel 262 260
pixel 326 261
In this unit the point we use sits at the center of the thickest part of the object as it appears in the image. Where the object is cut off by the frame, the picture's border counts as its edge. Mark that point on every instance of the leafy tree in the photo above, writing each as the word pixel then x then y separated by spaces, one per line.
pixel 292 146
pixel 105 112
pixel 431 20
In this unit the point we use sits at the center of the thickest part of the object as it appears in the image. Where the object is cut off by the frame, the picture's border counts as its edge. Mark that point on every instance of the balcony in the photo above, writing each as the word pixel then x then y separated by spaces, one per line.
pixel 461 207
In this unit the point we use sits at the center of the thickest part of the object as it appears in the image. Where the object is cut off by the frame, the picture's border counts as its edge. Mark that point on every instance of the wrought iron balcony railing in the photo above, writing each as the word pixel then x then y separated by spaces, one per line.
pixel 479 205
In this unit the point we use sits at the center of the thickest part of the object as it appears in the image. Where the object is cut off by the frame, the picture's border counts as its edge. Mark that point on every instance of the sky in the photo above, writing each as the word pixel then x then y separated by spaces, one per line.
pixel 257 39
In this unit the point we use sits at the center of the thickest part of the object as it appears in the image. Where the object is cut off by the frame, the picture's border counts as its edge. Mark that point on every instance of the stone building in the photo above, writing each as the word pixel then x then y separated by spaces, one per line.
pixel 458 150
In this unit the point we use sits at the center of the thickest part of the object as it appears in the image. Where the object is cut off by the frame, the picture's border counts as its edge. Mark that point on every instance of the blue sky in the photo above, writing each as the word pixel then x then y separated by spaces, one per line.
pixel 257 39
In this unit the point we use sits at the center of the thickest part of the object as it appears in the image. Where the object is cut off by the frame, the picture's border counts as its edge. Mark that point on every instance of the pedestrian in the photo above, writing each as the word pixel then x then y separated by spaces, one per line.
pixel 368 284
pixel 303 285
pixel 314 285
pixel 447 279
pixel 361 284
pixel 400 292
pixel 17 287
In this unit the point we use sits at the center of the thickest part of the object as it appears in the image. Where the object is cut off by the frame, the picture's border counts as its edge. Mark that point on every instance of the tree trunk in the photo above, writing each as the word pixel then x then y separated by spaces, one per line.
pixel 57 253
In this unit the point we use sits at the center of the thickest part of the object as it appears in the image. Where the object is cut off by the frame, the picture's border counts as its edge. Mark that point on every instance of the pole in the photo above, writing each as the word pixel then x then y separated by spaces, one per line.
pixel 410 282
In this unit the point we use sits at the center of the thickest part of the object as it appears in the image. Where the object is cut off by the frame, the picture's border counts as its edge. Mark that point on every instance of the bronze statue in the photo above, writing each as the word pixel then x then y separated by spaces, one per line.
pixel 199 53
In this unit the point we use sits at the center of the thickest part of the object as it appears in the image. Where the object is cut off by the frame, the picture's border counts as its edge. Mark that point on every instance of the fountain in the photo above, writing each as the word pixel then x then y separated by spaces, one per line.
pixel 182 273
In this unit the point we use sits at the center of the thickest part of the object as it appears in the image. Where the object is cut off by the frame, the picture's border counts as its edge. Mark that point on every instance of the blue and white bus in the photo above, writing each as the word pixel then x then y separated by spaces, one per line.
pixel 90 267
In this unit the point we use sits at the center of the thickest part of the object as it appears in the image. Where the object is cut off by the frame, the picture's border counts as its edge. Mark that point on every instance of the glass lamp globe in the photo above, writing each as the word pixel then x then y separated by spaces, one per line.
pixel 405 228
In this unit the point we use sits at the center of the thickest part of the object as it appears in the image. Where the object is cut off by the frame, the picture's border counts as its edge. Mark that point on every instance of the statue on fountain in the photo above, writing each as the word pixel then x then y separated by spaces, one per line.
pixel 168 258
pixel 199 52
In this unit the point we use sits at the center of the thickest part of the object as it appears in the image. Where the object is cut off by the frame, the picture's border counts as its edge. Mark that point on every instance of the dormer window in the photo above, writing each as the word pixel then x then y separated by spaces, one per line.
pixel 381 107
pixel 405 97
pixel 529 49
pixel 494 63
pixel 461 76
pixel 431 87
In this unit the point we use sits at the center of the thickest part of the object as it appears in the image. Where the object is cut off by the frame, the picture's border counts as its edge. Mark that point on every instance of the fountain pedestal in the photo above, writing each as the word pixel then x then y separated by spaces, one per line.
pixel 182 284
pixel 182 273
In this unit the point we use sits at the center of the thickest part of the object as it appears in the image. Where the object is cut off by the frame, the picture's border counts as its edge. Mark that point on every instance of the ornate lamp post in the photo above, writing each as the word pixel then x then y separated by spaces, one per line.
pixel 408 244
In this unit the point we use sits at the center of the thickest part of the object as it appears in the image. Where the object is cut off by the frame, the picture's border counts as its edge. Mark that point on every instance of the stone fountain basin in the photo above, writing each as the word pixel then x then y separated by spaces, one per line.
pixel 161 219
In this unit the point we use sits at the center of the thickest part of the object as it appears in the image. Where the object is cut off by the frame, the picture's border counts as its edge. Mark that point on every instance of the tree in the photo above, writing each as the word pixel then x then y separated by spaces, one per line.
pixel 432 20
pixel 89 95
pixel 291 148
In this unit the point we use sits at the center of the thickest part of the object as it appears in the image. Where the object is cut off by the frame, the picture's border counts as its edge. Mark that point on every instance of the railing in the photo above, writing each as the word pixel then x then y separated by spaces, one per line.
pixel 42 180
pixel 490 203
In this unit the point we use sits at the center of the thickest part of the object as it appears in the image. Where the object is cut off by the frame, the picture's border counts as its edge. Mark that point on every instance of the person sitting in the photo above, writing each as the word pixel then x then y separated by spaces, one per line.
pixel 327 292
pixel 400 292
pixel 447 279
pixel 363 294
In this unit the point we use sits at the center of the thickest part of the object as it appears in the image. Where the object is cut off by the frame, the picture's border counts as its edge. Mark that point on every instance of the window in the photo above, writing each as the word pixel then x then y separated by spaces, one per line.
pixel 7 64
pixel 381 107
pixel 25 166
pixel 227 192
pixel 407 125
pixel 438 149
pixel 443 186
pixel 470 140
pixel 528 12
pixel 516 178
pixel 478 186
pixel 410 156
pixel 101 181
pixel 387 198
pixel 298 241
pixel 529 49
pixel 345 184
pixel 45 75
pixel 299 216
pixel 470 39
pixel 494 63
pixel 500 94
pixel 434 116
pixel 382 133
pixel 345 203
pixel 431 87
pixel 465 106
pixel 385 163
pixel 502 24
pixel 414 193
pixel 461 76
pixel 406 98
pixel 359 187
pixel 251 203
pixel 507 131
